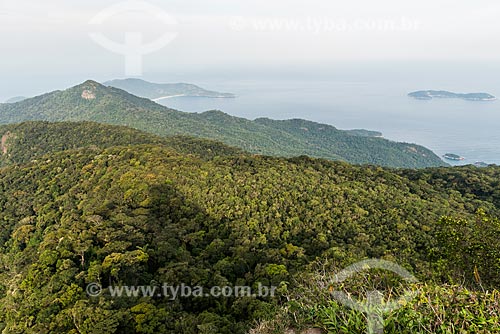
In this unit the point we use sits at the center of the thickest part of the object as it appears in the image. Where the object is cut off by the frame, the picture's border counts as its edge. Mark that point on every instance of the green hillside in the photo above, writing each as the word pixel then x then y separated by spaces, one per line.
pixel 177 212
pixel 27 141
pixel 91 101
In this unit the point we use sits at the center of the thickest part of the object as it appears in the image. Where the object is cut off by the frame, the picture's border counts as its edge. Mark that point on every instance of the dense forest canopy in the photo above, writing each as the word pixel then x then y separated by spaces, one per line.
pixel 24 142
pixel 120 207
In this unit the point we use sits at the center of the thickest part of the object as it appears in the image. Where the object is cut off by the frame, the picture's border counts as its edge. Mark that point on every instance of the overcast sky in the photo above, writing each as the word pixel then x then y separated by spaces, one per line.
pixel 48 41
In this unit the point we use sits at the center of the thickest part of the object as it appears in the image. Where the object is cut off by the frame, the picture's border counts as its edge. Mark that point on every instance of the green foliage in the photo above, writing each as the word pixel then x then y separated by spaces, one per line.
pixel 30 140
pixel 469 181
pixel 426 308
pixel 436 309
pixel 470 249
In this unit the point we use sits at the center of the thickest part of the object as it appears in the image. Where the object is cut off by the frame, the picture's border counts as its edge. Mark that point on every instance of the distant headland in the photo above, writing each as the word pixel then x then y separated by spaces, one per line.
pixel 157 92
pixel 442 94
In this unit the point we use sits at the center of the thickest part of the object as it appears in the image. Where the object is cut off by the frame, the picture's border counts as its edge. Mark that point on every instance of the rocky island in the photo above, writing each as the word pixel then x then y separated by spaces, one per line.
pixel 442 94
pixel 454 157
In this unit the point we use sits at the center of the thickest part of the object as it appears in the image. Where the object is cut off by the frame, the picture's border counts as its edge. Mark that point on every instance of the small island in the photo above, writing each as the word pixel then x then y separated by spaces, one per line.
pixel 454 157
pixel 442 94
pixel 481 164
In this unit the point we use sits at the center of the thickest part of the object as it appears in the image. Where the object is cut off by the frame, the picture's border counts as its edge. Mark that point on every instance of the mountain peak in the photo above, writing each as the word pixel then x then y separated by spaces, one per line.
pixel 88 89
pixel 89 84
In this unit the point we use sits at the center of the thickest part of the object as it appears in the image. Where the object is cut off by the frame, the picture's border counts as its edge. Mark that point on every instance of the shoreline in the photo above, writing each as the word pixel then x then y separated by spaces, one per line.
pixel 167 97
pixel 186 95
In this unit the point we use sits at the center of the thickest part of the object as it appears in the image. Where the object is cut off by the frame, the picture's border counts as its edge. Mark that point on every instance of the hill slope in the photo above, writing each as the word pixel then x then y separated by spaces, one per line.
pixel 92 101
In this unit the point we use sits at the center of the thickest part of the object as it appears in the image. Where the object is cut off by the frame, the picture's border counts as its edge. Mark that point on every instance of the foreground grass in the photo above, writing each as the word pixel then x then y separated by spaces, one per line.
pixel 438 309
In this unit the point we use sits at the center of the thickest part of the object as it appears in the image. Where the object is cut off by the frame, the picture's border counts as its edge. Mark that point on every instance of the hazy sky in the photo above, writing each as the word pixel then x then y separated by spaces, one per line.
pixel 48 41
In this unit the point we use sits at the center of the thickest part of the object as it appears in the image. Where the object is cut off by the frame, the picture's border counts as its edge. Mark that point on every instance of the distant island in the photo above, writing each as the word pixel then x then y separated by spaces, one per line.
pixel 16 99
pixel 157 91
pixel 454 157
pixel 481 164
pixel 442 94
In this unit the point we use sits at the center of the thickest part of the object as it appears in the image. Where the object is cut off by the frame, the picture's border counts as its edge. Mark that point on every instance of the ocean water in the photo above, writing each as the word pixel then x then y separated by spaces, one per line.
pixel 469 129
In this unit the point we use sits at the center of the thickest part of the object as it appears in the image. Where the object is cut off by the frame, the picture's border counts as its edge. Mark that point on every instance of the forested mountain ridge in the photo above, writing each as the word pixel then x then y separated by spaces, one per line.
pixel 92 101
pixel 176 212
pixel 21 143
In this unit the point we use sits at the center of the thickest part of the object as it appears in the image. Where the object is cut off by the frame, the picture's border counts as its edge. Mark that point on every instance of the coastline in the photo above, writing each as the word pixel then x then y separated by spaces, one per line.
pixel 187 95
pixel 167 97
